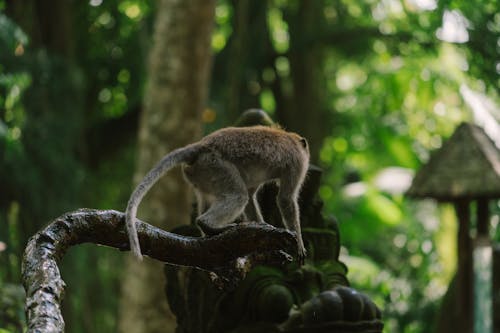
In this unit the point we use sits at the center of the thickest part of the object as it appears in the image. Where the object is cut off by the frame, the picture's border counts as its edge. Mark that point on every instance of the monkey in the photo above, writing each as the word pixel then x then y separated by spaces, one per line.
pixel 226 169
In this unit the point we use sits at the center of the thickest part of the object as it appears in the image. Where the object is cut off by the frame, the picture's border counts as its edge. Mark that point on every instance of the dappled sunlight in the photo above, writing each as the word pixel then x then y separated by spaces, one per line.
pixel 376 88
pixel 95 3
pixel 349 77
pixel 394 180
pixel 485 112
pixel 454 28
pixel 422 4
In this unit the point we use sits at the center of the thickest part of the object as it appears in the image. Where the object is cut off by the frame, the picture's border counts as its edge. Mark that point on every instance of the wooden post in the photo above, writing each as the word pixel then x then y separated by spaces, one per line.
pixel 496 289
pixel 464 269
pixel 482 218
pixel 483 271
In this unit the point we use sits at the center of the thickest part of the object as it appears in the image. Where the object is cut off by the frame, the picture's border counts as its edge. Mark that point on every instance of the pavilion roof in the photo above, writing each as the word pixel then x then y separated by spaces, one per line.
pixel 467 166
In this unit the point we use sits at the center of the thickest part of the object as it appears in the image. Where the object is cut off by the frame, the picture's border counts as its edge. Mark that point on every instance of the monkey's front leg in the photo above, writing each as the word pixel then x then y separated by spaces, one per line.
pixel 289 208
pixel 252 210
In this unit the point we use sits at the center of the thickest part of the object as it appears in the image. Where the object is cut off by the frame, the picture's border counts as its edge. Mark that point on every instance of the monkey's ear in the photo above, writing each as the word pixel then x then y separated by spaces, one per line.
pixel 304 142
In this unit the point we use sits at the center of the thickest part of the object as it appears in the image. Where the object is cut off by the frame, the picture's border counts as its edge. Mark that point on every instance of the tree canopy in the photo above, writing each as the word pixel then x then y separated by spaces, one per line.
pixel 375 86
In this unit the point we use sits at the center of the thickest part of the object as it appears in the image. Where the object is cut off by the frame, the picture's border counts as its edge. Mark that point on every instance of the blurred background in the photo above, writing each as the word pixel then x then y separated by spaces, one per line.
pixel 375 86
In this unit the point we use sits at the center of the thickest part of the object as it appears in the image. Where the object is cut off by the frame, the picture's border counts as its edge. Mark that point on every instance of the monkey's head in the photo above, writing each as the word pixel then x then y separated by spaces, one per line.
pixel 253 117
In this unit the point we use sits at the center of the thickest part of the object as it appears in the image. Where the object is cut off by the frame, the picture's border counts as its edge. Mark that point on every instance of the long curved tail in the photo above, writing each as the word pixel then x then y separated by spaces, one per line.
pixel 170 160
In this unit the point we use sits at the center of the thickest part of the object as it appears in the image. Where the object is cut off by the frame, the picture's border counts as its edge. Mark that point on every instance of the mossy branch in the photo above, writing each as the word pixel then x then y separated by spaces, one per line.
pixel 230 255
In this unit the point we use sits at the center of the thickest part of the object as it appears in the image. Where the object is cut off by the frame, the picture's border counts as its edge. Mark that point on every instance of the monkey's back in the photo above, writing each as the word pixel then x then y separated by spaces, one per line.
pixel 259 148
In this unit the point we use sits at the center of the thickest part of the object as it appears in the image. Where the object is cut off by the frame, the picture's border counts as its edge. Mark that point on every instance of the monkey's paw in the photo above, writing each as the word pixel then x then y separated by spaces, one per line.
pixel 301 256
pixel 211 230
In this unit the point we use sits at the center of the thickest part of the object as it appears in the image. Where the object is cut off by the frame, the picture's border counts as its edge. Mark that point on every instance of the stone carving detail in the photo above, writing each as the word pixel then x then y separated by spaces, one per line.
pixel 313 298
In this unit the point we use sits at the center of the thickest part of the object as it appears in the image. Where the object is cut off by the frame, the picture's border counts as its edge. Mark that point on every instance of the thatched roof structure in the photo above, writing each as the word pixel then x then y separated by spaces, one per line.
pixel 467 166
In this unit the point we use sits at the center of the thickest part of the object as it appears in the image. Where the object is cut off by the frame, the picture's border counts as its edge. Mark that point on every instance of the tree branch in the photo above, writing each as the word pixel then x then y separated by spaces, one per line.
pixel 230 255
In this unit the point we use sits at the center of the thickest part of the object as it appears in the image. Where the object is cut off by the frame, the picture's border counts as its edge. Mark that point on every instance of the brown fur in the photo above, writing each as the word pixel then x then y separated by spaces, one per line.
pixel 226 169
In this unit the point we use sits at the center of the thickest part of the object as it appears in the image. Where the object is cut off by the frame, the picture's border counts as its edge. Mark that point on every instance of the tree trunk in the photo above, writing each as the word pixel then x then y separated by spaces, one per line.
pixel 49 27
pixel 306 67
pixel 175 96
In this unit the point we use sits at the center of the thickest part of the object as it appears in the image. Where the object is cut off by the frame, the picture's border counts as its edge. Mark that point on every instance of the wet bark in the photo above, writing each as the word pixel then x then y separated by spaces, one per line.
pixel 229 255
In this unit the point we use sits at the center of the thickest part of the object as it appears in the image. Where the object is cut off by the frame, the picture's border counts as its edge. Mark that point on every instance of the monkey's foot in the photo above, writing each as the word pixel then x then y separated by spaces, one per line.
pixel 256 223
pixel 301 256
pixel 210 230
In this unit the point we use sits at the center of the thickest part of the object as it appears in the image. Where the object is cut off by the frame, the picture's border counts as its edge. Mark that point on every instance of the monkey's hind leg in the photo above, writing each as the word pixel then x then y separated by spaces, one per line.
pixel 222 181
pixel 252 210
pixel 201 202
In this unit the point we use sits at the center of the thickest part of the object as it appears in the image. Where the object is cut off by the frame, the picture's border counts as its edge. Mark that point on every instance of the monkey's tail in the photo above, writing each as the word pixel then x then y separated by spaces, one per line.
pixel 170 160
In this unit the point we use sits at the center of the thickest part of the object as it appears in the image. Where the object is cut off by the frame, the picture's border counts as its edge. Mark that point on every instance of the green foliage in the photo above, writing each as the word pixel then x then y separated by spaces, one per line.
pixel 393 100
pixel 11 308
pixel 12 84
pixel 11 36
pixel 223 28
pixel 48 104
pixel 111 48
pixel 392 90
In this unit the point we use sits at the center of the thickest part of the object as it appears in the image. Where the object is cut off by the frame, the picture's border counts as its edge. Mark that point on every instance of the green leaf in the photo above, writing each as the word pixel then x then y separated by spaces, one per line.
pixel 383 208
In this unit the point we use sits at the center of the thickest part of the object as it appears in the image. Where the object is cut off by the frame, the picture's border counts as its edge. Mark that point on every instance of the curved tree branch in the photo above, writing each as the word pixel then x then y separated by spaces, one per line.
pixel 230 255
